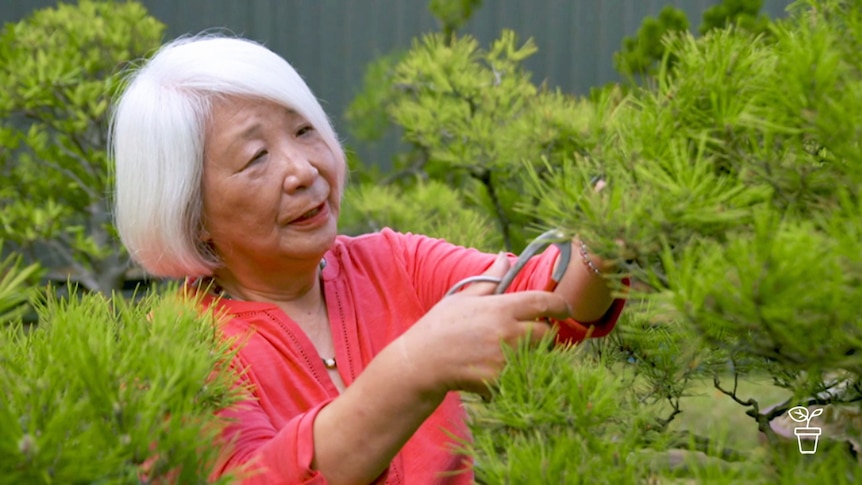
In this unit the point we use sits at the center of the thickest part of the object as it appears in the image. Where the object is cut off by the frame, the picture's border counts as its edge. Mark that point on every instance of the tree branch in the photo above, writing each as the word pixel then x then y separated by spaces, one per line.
pixel 84 161
pixel 83 275
pixel 416 168
pixel 71 175
pixel 761 419
pixel 674 404
pixel 484 176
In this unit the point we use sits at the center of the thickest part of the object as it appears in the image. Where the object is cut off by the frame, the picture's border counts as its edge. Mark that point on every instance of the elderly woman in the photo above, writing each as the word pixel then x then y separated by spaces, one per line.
pixel 229 174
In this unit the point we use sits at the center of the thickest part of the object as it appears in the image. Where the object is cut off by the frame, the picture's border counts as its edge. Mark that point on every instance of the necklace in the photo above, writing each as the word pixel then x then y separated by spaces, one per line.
pixel 217 289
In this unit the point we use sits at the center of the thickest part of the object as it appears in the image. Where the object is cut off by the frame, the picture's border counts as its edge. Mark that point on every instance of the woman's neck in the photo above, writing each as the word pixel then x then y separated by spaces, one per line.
pixel 300 290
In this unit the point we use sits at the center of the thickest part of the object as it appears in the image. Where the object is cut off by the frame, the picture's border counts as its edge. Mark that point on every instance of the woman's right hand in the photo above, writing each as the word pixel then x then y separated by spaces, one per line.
pixel 458 344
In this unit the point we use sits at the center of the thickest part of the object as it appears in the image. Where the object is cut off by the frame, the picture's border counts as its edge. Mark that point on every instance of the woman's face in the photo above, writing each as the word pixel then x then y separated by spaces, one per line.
pixel 271 186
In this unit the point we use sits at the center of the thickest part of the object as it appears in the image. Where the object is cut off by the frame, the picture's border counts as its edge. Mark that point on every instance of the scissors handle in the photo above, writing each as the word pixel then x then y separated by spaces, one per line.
pixel 554 236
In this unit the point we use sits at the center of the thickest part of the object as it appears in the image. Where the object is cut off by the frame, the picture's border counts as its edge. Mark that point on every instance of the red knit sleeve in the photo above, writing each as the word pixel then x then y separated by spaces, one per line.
pixel 434 265
pixel 261 455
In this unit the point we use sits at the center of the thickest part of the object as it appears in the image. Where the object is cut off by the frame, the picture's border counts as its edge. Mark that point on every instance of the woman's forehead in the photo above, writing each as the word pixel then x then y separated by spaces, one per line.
pixel 246 117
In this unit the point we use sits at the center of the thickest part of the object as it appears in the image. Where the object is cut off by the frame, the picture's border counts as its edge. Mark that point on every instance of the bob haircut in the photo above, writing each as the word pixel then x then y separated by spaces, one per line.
pixel 157 141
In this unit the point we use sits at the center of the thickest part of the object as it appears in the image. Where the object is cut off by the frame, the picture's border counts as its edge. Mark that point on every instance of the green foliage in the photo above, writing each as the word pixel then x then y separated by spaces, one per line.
pixel 556 417
pixel 453 14
pixel 733 197
pixel 457 98
pixel 15 289
pixel 472 117
pixel 744 14
pixel 640 53
pixel 665 354
pixel 59 68
pixel 783 280
pixel 429 208
pixel 732 200
pixel 107 391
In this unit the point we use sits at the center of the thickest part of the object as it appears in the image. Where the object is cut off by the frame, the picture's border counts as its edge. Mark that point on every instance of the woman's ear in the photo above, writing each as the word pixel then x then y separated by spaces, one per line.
pixel 206 247
pixel 204 236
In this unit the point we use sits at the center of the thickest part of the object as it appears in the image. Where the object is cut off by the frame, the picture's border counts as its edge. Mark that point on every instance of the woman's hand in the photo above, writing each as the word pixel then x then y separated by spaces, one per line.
pixel 458 344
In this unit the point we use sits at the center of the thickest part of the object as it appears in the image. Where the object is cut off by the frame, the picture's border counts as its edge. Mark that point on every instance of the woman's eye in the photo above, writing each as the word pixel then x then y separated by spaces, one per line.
pixel 304 130
pixel 257 156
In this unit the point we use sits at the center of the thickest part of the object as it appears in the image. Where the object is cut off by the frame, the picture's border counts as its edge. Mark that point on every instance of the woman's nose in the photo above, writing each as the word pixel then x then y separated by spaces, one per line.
pixel 300 173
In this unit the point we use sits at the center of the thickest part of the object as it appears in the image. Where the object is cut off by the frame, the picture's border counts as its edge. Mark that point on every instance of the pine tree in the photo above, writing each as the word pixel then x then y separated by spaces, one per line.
pixel 733 179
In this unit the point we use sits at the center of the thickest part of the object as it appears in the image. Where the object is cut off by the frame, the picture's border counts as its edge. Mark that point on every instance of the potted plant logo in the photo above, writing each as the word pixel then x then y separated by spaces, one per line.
pixel 805 435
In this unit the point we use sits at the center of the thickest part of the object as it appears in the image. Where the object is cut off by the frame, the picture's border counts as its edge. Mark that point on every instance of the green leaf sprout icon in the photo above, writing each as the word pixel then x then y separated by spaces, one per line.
pixel 800 414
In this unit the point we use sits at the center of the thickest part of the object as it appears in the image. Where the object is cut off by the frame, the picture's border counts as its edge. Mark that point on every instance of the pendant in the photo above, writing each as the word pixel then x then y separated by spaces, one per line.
pixel 329 363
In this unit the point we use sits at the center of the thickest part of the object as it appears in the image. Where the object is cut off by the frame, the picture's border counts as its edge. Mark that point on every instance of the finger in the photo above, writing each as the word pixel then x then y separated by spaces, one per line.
pixel 531 305
pixel 497 269
pixel 531 331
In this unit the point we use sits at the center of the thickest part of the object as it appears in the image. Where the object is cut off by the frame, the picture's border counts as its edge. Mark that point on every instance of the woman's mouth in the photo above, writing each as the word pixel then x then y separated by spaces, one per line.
pixel 309 215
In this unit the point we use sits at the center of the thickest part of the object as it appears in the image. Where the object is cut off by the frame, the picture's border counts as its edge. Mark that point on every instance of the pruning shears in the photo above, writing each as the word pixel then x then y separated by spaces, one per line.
pixel 554 236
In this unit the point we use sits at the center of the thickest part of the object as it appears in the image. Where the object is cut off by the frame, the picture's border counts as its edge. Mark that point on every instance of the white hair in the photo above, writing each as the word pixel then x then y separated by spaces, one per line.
pixel 157 141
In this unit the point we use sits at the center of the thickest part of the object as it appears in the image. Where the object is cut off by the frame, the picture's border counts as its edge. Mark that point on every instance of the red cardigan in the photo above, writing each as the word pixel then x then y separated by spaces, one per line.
pixel 376 286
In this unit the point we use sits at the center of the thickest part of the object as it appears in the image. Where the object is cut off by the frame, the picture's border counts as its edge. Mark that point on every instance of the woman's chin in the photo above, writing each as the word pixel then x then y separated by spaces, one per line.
pixel 311 244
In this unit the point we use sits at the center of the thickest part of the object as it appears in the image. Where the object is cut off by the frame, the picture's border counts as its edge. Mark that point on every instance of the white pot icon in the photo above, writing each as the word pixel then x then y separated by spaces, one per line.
pixel 807 436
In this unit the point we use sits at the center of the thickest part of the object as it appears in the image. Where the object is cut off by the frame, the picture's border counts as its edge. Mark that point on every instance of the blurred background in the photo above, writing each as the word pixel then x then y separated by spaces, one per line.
pixel 331 42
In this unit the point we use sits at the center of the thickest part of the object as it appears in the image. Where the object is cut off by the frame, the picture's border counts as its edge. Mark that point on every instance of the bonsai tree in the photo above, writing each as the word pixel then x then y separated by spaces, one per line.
pixel 733 197
pixel 732 181
pixel 59 68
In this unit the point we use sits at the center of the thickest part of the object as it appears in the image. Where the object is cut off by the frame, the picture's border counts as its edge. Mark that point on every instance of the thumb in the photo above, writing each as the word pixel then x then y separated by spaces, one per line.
pixel 488 281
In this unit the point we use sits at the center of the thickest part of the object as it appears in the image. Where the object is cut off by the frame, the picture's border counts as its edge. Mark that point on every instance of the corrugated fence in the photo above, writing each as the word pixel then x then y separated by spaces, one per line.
pixel 331 41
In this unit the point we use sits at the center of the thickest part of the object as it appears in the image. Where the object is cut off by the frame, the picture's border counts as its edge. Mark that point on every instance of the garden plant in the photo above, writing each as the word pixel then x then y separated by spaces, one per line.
pixel 59 69
pixel 732 166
